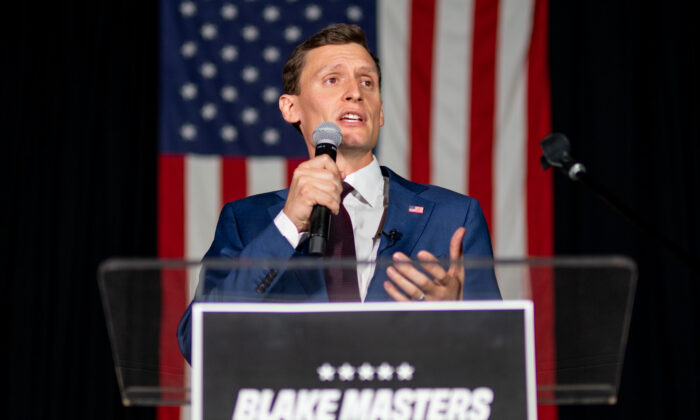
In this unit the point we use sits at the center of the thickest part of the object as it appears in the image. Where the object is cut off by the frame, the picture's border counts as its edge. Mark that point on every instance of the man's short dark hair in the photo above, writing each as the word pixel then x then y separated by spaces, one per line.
pixel 337 34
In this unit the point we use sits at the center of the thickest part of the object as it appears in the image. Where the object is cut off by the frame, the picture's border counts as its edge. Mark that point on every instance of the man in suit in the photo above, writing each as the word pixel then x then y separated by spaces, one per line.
pixel 333 76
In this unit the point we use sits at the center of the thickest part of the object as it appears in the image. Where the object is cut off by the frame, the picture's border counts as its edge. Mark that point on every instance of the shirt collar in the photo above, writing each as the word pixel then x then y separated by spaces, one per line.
pixel 368 182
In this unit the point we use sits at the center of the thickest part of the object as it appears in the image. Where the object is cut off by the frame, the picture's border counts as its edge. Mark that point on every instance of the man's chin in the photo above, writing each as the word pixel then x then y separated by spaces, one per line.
pixel 357 144
pixel 357 139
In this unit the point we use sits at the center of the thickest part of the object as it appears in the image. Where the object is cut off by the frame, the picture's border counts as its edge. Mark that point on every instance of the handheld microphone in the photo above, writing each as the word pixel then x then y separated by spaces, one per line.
pixel 327 137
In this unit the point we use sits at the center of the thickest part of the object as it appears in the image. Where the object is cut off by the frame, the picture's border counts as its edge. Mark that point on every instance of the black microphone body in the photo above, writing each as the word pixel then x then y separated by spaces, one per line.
pixel 327 138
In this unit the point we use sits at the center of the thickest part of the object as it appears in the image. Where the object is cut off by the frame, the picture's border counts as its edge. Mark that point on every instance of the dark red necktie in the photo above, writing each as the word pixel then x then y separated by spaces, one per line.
pixel 342 282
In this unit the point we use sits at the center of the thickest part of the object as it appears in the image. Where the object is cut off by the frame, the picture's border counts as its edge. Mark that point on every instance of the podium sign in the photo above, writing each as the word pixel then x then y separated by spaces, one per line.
pixel 454 360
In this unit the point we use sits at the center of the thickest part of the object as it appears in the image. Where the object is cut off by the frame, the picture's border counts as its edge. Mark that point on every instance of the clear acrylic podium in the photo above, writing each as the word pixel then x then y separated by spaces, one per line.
pixel 582 314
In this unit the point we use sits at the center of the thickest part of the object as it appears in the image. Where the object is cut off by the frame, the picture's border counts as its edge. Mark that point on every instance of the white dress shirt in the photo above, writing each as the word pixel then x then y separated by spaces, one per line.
pixel 365 205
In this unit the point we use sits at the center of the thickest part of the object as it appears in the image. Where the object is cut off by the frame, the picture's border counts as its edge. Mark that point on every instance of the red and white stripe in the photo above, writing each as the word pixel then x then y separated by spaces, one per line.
pixel 466 102
pixel 192 190
pixel 457 101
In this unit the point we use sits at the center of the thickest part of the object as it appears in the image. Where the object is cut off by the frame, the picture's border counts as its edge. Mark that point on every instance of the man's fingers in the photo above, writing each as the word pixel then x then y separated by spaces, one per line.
pixel 431 265
pixel 318 178
pixel 456 244
pixel 394 292
pixel 321 162
pixel 433 282
pixel 456 253
pixel 403 264
pixel 406 285
pixel 325 199
pixel 316 181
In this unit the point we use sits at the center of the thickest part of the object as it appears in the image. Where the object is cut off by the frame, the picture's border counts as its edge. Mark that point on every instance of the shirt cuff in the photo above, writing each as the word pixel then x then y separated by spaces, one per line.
pixel 289 230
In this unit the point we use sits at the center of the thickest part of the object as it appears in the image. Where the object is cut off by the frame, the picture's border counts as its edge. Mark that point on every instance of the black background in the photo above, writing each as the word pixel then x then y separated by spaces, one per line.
pixel 79 96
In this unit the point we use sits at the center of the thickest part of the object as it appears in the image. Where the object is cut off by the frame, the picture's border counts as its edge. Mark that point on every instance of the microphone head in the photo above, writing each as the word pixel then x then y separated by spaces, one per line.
pixel 327 132
pixel 557 150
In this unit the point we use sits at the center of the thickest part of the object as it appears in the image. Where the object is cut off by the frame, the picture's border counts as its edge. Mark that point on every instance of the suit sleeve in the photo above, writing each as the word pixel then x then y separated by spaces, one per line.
pixel 479 283
pixel 257 238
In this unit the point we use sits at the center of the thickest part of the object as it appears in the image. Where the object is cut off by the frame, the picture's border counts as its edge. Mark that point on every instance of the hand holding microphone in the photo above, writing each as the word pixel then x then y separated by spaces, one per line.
pixel 316 183
pixel 327 138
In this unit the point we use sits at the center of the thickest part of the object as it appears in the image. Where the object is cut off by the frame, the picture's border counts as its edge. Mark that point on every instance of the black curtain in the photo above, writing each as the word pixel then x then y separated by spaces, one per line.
pixel 80 120
pixel 80 106
pixel 625 90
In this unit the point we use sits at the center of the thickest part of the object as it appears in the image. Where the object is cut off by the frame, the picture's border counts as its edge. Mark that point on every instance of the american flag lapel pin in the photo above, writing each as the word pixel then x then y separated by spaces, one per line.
pixel 415 209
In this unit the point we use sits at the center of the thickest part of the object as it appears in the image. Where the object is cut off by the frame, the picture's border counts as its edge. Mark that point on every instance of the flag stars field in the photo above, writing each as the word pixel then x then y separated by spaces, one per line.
pixel 313 12
pixel 250 74
pixel 221 82
pixel 271 13
pixel 271 54
pixel 228 133
pixel 188 91
pixel 292 33
pixel 229 11
pixel 250 33
pixel 249 115
pixel 271 137
pixel 229 53
pixel 208 70
pixel 209 31
pixel 229 93
pixel 188 49
pixel 354 13
pixel 188 132
pixel 188 8
pixel 270 94
pixel 209 111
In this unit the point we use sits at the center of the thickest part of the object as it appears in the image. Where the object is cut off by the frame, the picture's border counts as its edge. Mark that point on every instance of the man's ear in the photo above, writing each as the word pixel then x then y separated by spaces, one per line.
pixel 289 109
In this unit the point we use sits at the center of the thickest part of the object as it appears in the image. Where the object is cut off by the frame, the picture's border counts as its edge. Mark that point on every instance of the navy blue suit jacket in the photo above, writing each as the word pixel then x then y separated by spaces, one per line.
pixel 246 230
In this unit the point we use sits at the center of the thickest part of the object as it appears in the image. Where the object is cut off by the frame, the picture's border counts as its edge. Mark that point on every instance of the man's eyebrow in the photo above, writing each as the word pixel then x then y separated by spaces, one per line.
pixel 368 69
pixel 363 69
pixel 329 68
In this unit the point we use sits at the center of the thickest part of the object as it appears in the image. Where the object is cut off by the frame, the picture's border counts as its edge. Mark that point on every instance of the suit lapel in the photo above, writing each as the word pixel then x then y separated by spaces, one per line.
pixel 408 225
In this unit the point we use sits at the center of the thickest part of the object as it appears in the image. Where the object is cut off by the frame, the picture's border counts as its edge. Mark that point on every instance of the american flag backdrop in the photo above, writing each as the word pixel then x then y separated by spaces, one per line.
pixel 466 101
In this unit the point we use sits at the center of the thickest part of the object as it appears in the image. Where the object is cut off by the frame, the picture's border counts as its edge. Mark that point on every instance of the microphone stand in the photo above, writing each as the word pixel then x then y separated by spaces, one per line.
pixel 557 153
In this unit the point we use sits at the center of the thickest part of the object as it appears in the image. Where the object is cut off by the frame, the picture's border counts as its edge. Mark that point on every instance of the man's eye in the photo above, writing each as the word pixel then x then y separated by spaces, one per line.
pixel 367 83
pixel 331 80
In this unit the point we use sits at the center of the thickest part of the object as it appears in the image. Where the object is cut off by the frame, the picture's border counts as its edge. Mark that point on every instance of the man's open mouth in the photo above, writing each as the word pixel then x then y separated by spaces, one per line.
pixel 351 117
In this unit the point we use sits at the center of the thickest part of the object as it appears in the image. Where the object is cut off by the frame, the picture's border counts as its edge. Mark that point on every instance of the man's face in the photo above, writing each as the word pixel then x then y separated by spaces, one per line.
pixel 340 84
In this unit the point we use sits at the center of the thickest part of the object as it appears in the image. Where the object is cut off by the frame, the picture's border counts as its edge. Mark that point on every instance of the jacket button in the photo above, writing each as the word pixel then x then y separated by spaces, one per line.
pixel 267 281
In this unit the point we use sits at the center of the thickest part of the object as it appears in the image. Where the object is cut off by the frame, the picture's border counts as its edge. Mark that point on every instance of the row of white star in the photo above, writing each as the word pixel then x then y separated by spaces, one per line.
pixel 229 52
pixel 229 133
pixel 229 11
pixel 365 372
pixel 229 93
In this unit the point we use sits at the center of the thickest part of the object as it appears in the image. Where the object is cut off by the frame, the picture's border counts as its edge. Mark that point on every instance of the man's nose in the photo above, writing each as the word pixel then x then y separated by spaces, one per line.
pixel 353 92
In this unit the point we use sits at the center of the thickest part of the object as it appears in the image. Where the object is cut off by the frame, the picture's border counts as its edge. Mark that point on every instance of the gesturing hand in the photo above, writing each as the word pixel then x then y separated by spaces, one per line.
pixel 409 283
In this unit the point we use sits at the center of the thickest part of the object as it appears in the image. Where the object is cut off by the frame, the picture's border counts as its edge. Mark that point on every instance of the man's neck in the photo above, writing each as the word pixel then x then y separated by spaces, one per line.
pixel 349 163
